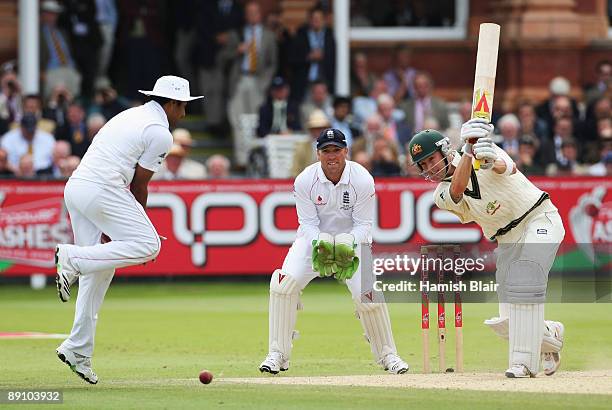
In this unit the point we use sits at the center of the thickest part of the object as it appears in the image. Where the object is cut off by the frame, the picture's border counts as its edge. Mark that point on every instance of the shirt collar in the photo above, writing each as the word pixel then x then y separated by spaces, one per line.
pixel 344 178
pixel 155 107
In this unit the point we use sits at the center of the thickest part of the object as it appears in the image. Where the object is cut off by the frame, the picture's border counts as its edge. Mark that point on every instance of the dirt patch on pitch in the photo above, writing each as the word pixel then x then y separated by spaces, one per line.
pixel 582 382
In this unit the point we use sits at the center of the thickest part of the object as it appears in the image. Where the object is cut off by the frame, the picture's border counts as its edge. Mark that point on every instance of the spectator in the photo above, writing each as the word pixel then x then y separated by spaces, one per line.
pixel 56 60
pixel 190 168
pixel 143 41
pixel 255 61
pixel 283 38
pixel 362 80
pixel 107 18
pixel 107 101
pixel 94 123
pixel 278 115
pixel 186 13
pixel 172 165
pixel 363 159
pixel 342 119
pixel 603 83
pixel 385 158
pixel 530 123
pixel 69 165
pixel 218 167
pixel 57 106
pixel 604 166
pixel 396 131
pixel 563 130
pixel 25 168
pixel 599 109
pixel 509 129
pixel 454 130
pixel 5 170
pixel 318 99
pixel 526 158
pixel 372 129
pixel 365 107
pixel 75 131
pixel 10 100
pixel 424 104
pixel 400 77
pixel 305 152
pixel 313 55
pixel 213 51
pixel 568 162
pixel 558 104
pixel 61 152
pixel 27 139
pixel 79 20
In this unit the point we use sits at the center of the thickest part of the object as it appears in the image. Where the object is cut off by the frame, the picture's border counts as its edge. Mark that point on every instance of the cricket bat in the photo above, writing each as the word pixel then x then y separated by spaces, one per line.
pixel 484 75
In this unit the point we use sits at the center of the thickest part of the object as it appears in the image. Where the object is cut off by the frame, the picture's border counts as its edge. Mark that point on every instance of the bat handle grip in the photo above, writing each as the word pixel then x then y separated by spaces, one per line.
pixel 476 161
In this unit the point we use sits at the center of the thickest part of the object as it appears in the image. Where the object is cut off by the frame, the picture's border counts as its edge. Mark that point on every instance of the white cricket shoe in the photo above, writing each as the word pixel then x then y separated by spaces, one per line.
pixel 65 276
pixel 394 364
pixel 273 363
pixel 552 360
pixel 518 371
pixel 79 364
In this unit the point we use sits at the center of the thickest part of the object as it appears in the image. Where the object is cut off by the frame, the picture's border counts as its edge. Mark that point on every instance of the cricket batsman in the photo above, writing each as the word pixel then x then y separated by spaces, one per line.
pixel 523 221
pixel 335 209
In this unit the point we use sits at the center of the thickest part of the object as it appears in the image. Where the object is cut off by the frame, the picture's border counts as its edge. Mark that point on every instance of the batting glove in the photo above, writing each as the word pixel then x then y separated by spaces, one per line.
pixel 475 128
pixel 484 150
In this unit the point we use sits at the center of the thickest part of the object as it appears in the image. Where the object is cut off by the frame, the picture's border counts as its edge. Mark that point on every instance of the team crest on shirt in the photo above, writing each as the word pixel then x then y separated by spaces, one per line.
pixel 492 207
pixel 346 201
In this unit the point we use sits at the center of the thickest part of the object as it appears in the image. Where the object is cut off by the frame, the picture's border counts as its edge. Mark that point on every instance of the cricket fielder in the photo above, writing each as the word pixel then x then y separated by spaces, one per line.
pixel 335 209
pixel 523 221
pixel 106 197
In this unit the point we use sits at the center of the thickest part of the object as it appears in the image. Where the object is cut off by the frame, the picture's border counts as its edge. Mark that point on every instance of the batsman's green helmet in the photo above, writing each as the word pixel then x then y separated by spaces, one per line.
pixel 426 143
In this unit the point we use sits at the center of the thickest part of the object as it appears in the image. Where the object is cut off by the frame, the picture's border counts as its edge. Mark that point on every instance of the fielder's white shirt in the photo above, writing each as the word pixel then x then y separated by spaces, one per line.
pixel 347 207
pixel 138 135
pixel 492 200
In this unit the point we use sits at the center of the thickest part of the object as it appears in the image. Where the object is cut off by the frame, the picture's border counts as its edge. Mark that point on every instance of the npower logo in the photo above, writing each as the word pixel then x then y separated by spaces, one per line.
pixel 189 222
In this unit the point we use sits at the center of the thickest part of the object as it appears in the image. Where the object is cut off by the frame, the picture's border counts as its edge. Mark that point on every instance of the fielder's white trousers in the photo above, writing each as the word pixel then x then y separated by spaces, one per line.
pixel 95 209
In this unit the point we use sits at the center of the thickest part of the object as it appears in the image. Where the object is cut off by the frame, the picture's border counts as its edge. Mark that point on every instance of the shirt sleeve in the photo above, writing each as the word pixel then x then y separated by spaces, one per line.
pixel 308 217
pixel 157 142
pixel 363 213
pixel 443 200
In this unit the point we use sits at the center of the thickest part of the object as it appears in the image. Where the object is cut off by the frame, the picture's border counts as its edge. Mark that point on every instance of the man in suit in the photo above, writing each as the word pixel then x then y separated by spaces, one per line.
pixel 424 104
pixel 278 115
pixel 313 55
pixel 255 58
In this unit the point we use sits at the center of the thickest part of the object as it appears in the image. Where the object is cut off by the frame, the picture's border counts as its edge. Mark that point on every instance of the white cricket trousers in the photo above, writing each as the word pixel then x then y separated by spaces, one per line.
pixel 95 209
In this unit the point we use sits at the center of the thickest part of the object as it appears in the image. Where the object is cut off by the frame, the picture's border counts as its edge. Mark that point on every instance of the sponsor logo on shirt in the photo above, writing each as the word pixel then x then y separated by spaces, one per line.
pixel 492 207
pixel 320 200
pixel 542 231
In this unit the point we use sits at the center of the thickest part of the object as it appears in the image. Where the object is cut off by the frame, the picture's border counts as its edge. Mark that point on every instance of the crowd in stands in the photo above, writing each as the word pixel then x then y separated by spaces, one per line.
pixel 246 63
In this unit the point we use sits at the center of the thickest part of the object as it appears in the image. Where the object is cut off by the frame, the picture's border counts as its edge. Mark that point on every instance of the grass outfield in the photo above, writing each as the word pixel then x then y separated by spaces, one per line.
pixel 153 340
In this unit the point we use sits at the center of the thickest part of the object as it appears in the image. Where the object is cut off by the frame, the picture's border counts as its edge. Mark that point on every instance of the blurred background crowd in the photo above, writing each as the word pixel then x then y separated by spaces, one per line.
pixel 260 78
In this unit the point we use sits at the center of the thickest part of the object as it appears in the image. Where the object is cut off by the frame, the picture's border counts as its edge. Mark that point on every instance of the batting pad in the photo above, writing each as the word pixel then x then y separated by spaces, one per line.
pixel 376 324
pixel 284 304
pixel 550 344
pixel 526 331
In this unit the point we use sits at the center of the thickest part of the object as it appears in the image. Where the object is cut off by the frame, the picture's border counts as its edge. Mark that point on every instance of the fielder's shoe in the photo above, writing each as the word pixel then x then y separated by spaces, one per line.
pixel 552 360
pixel 273 363
pixel 394 364
pixel 518 371
pixel 79 364
pixel 65 276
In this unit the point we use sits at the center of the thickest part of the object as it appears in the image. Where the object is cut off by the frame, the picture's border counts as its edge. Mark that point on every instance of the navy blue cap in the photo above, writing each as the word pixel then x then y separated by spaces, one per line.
pixel 278 82
pixel 331 136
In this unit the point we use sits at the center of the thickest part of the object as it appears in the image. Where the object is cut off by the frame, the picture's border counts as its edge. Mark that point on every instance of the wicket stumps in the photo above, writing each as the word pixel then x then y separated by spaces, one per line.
pixel 440 252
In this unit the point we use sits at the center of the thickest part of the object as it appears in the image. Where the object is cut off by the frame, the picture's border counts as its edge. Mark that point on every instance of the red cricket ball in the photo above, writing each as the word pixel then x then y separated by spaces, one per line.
pixel 206 377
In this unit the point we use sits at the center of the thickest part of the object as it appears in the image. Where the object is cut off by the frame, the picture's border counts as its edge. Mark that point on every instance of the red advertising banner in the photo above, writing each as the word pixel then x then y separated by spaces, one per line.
pixel 244 227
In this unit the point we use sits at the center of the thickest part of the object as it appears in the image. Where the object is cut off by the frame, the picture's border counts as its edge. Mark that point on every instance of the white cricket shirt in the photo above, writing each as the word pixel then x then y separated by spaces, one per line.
pixel 347 207
pixel 138 135
pixel 493 200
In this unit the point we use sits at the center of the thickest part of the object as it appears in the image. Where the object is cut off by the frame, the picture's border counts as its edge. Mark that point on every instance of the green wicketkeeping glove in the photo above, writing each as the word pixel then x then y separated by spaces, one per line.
pixel 323 255
pixel 344 253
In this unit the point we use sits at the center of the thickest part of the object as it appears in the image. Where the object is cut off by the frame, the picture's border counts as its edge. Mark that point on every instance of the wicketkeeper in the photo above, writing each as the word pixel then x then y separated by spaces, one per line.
pixel 335 207
pixel 523 221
